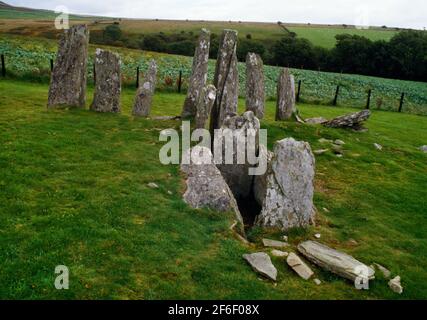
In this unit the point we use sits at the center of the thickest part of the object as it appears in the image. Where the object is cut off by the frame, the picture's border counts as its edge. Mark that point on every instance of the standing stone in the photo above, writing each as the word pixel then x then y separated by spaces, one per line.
pixel 199 74
pixel 226 80
pixel 285 96
pixel 243 128
pixel 285 192
pixel 144 94
pixel 108 82
pixel 68 81
pixel 204 106
pixel 255 90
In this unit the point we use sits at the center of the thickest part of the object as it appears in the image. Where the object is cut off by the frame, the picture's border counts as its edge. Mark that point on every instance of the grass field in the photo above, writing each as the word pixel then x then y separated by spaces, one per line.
pixel 74 191
pixel 39 22
pixel 29 58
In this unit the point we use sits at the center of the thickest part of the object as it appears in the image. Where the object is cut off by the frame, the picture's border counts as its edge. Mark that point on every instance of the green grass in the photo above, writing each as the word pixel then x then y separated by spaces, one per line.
pixel 74 191
pixel 29 58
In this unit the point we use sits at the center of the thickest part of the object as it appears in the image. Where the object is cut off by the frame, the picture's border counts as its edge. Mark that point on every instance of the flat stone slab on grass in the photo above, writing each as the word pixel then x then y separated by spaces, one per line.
pixel 279 254
pixel 262 264
pixel 334 261
pixel 299 266
pixel 274 243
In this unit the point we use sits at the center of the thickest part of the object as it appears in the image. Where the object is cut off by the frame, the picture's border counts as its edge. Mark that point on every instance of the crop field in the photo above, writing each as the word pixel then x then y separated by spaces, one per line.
pixel 29 58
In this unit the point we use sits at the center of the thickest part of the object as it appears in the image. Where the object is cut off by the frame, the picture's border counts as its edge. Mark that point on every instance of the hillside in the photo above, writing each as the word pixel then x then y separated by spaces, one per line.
pixel 31 20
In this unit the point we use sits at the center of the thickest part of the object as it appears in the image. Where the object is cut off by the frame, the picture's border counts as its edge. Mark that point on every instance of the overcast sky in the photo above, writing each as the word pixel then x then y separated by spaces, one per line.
pixel 394 13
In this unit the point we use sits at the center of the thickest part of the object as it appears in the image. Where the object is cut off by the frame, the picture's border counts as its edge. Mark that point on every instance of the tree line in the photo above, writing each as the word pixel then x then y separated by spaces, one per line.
pixel 403 57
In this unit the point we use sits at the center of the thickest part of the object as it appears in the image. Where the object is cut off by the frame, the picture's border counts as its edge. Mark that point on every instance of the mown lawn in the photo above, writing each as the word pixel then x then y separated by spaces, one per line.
pixel 73 191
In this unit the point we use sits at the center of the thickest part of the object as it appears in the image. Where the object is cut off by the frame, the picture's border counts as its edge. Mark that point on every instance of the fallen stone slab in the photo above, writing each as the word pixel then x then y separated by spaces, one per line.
pixel 386 273
pixel 318 120
pixel 334 261
pixel 274 243
pixel 320 151
pixel 279 254
pixel 262 264
pixel 395 285
pixel 353 121
pixel 299 266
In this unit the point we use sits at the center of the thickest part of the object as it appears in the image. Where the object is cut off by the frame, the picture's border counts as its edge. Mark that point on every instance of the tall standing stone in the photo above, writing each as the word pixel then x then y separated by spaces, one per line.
pixel 255 90
pixel 199 74
pixel 69 74
pixel 204 106
pixel 285 96
pixel 144 94
pixel 226 80
pixel 286 191
pixel 108 82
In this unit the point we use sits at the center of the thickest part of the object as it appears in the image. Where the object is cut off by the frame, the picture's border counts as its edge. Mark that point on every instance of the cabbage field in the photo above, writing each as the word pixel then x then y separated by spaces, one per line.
pixel 29 58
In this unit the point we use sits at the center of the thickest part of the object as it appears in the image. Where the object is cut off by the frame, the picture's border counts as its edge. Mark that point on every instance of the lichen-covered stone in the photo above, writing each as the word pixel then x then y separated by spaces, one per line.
pixel 204 105
pixel 285 192
pixel 243 128
pixel 255 87
pixel 285 96
pixel 68 80
pixel 350 121
pixel 144 94
pixel 108 82
pixel 199 74
pixel 206 187
pixel 226 80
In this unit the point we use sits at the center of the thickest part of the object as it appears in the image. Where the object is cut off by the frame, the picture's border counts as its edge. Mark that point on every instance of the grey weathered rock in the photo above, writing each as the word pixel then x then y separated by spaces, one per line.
pixel 255 87
pixel 108 82
pixel 334 261
pixel 68 80
pixel 317 235
pixel 318 120
pixel 226 80
pixel 302 269
pixel 279 254
pixel 386 273
pixel 199 74
pixel 204 105
pixel 423 149
pixel 144 94
pixel 285 192
pixel 320 151
pixel 395 285
pixel 237 174
pixel 353 121
pixel 153 185
pixel 274 243
pixel 318 282
pixel 205 185
pixel 262 264
pixel 339 142
pixel 285 107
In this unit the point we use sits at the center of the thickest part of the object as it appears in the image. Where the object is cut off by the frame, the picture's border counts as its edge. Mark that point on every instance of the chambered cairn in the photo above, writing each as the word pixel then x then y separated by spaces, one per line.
pixel 68 80
pixel 285 96
pixel 145 93
pixel 107 83
pixel 255 90
pixel 226 80
pixel 199 75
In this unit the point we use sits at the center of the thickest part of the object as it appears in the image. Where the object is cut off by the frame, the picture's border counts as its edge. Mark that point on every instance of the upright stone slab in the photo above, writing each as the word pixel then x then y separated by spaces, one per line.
pixel 255 89
pixel 108 82
pixel 226 80
pixel 68 80
pixel 204 106
pixel 237 174
pixel 285 96
pixel 144 94
pixel 199 74
pixel 286 191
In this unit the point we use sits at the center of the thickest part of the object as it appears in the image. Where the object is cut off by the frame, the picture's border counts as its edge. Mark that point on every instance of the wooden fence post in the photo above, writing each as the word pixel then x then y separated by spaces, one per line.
pixel 402 98
pixel 368 103
pixel 336 96
pixel 137 78
pixel 3 66
pixel 180 81
pixel 299 90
